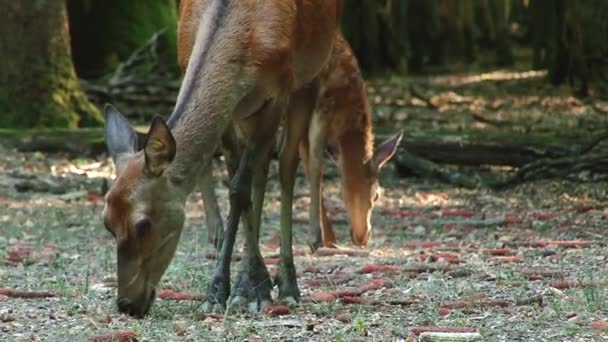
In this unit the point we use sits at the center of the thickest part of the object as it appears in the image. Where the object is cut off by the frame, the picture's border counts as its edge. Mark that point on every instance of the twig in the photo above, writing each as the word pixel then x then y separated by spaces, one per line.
pixel 593 143
pixel 497 123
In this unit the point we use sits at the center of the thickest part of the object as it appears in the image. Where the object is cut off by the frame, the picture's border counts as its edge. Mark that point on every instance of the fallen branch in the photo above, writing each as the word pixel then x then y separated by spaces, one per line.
pixel 426 168
pixel 324 251
pixel 561 165
pixel 122 336
pixel 172 295
pixel 426 267
pixel 25 294
pixel 417 330
pixel 449 337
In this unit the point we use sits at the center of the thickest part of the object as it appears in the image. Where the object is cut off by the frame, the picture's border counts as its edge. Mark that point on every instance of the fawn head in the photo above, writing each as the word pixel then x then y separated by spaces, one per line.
pixel 144 209
pixel 360 189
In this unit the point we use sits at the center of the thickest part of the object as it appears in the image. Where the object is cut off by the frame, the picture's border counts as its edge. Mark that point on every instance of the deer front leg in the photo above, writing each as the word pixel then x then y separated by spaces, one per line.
pixel 240 199
pixel 253 284
pixel 253 162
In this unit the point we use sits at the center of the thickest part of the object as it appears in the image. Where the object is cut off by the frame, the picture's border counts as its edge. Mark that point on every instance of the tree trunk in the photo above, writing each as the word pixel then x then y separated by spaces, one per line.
pixel 377 32
pixel 106 32
pixel 543 27
pixel 423 33
pixel 455 39
pixel 38 85
pixel 500 15
pixel 569 62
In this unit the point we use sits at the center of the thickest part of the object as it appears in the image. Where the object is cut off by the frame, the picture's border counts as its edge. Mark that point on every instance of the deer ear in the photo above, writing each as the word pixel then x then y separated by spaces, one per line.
pixel 387 149
pixel 160 147
pixel 119 135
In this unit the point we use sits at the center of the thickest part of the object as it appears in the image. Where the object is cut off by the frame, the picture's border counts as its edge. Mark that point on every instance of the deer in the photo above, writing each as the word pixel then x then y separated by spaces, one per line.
pixel 249 61
pixel 341 119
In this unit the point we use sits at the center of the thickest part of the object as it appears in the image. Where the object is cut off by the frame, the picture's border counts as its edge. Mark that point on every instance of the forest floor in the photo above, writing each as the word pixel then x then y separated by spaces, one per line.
pixel 528 263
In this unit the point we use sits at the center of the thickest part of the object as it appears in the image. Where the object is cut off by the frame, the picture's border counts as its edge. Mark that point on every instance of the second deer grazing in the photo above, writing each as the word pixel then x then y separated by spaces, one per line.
pixel 343 119
pixel 247 60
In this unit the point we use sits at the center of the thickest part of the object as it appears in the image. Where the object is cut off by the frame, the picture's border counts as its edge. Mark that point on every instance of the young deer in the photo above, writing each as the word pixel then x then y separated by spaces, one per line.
pixel 343 119
pixel 248 59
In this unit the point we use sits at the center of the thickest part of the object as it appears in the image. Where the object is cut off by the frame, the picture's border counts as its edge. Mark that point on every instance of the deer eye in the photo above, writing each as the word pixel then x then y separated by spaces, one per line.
pixel 143 227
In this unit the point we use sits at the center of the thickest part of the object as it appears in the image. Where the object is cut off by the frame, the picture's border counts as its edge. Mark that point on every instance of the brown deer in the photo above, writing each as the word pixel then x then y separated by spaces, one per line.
pixel 343 119
pixel 249 61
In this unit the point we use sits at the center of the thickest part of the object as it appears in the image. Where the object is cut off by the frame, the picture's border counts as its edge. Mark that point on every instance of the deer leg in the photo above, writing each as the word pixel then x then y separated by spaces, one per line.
pixel 213 216
pixel 253 284
pixel 329 236
pixel 296 123
pixel 320 230
pixel 240 189
pixel 254 154
pixel 317 228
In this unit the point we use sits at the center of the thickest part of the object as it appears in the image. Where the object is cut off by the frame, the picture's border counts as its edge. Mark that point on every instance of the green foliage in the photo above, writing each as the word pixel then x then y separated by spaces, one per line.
pixel 38 85
pixel 53 99
pixel 594 27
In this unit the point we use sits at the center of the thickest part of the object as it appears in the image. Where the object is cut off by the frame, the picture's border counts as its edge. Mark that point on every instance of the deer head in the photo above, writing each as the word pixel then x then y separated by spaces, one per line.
pixel 360 188
pixel 144 209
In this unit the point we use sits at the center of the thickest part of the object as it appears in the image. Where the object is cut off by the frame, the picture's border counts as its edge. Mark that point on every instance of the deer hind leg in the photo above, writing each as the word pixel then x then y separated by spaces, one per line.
pixel 297 118
pixel 254 154
pixel 320 229
pixel 213 215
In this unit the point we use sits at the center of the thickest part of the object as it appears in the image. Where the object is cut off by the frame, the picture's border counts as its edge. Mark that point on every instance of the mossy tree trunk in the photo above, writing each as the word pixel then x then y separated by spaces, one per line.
pixel 377 32
pixel 38 84
pixel 106 32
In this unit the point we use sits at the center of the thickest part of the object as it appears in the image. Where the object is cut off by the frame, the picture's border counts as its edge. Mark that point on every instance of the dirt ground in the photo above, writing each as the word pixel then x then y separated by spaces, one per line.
pixel 523 264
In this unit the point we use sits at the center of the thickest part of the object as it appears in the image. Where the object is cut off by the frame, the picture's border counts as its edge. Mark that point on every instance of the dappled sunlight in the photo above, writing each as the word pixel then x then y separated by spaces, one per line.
pixel 396 198
pixel 90 169
pixel 496 76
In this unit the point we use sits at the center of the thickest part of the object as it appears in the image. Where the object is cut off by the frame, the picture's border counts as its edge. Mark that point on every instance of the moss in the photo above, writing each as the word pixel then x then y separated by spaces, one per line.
pixel 39 87
pixel 105 32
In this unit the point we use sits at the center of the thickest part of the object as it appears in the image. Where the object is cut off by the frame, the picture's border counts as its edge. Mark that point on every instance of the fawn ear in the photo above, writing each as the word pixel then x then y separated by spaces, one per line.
pixel 119 135
pixel 160 147
pixel 387 149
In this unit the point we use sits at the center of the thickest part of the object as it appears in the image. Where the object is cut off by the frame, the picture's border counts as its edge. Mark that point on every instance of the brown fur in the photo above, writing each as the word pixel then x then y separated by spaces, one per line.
pixel 343 118
pixel 243 59
pixel 119 209
pixel 345 96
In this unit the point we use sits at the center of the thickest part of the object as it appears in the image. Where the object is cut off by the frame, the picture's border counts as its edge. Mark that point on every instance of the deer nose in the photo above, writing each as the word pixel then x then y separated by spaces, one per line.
pixel 360 240
pixel 138 308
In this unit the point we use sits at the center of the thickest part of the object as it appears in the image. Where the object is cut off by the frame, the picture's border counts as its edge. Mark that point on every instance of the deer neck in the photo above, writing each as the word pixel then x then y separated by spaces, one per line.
pixel 214 82
pixel 355 149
